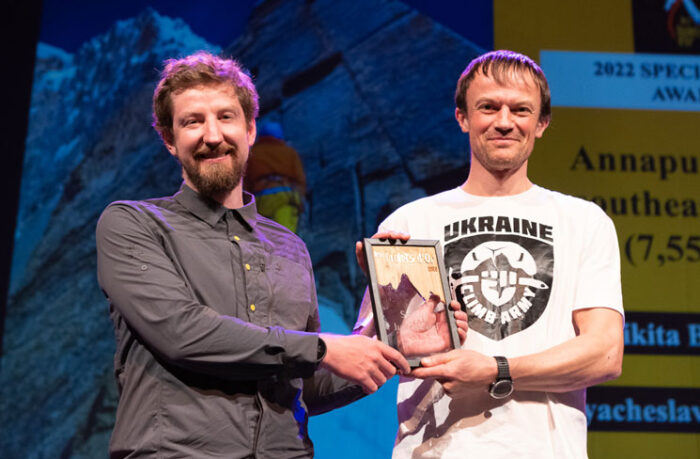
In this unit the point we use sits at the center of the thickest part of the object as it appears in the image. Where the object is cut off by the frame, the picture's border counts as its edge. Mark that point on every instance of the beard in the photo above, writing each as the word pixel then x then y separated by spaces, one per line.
pixel 211 180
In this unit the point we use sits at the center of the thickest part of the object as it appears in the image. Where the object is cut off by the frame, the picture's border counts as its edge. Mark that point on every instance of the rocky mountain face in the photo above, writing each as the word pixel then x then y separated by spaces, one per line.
pixel 363 91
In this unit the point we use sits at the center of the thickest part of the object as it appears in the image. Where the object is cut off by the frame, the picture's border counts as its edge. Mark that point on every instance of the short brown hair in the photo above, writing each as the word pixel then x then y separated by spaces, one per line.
pixel 201 68
pixel 502 65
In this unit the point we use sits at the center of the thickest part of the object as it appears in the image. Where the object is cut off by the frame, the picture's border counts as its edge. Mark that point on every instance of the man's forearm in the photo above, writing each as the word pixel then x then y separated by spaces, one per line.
pixel 592 357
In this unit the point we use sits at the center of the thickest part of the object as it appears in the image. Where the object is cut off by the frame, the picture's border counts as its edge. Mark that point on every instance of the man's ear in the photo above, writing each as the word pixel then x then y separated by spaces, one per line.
pixel 542 124
pixel 252 132
pixel 461 118
pixel 168 141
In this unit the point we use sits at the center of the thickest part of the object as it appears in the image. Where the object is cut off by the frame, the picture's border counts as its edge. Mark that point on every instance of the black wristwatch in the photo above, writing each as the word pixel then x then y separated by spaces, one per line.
pixel 503 386
pixel 320 350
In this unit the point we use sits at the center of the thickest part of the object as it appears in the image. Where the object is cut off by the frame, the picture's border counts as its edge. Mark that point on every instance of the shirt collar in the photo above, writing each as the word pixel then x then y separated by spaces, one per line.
pixel 211 211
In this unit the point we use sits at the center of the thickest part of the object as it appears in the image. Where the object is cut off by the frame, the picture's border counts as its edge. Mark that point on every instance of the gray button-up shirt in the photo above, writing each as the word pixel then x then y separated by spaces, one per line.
pixel 214 312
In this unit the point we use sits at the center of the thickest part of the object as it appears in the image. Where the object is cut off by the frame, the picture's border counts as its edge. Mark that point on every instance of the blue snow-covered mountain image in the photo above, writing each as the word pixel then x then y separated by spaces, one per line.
pixel 368 106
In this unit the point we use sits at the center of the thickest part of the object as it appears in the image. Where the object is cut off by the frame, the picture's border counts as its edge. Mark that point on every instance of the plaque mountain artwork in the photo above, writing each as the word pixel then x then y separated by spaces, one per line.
pixel 413 324
pixel 368 107
pixel 398 301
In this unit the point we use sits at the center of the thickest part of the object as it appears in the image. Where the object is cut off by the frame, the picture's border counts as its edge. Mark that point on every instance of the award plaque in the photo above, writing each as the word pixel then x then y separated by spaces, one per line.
pixel 410 297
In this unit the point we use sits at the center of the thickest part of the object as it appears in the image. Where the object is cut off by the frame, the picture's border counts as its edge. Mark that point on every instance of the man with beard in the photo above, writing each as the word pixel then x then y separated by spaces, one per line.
pixel 538 273
pixel 214 307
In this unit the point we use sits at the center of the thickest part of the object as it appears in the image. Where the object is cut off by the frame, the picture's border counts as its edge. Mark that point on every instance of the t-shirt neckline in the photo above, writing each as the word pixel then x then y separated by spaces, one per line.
pixel 475 197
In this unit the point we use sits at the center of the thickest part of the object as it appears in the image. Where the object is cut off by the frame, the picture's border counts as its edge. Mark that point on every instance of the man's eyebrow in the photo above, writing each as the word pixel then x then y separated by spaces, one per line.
pixel 525 103
pixel 493 100
pixel 187 114
pixel 484 99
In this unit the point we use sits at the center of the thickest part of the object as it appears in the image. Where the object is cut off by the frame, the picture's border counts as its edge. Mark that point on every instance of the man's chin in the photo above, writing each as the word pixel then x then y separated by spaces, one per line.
pixel 212 180
pixel 504 167
pixel 504 162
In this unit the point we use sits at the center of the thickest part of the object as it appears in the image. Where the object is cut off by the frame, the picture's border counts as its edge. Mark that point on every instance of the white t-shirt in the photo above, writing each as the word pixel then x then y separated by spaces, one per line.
pixel 520 265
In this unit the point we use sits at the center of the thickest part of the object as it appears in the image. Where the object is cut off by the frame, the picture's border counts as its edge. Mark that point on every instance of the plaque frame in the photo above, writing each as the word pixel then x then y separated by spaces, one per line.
pixel 384 326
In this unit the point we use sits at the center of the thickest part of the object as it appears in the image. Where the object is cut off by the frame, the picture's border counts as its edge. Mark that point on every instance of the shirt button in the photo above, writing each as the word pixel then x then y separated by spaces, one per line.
pixel 247 266
pixel 237 238
pixel 252 307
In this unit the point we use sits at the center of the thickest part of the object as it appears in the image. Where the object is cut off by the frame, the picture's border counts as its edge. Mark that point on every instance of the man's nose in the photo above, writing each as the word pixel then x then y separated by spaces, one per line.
pixel 504 119
pixel 212 133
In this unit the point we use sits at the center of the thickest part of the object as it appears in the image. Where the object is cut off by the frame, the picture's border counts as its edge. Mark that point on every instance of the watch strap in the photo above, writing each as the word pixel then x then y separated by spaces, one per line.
pixel 502 387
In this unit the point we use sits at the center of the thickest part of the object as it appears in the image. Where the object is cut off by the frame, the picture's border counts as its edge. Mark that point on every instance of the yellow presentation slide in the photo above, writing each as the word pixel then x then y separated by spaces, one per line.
pixel 625 133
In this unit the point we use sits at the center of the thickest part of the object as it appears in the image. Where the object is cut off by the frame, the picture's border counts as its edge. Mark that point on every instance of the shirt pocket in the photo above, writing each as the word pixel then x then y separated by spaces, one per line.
pixel 292 298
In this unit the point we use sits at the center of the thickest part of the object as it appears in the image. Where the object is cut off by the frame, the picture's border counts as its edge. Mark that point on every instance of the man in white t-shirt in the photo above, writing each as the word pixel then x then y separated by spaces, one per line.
pixel 538 273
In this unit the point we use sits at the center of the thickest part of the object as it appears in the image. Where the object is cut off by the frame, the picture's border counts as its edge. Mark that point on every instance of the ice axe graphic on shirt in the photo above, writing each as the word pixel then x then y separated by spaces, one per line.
pixel 498 268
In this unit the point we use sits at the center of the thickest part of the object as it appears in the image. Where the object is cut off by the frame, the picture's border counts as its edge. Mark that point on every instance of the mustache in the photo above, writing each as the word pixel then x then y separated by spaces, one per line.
pixel 220 150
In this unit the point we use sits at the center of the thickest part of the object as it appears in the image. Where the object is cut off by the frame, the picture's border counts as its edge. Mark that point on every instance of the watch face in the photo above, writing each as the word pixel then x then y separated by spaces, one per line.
pixel 501 389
